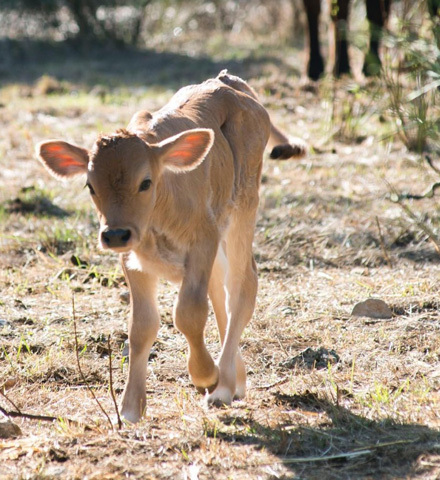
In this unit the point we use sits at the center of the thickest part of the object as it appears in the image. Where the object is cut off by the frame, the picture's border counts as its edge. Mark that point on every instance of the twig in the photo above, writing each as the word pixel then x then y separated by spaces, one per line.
pixel 45 418
pixel 326 458
pixel 271 385
pixel 79 366
pixel 431 235
pixel 431 164
pixel 382 245
pixel 10 401
pixel 112 391
pixel 367 450
pixel 414 196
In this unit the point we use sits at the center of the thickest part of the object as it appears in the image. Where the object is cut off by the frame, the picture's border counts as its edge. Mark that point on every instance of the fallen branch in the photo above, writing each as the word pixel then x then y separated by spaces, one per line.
pixel 413 196
pixel 396 198
pixel 366 450
pixel 44 418
pixel 10 401
pixel 327 458
pixel 17 413
pixel 431 190
pixel 271 385
pixel 431 164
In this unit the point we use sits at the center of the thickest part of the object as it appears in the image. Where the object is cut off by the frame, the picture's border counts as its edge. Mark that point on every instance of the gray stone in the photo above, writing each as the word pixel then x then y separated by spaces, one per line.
pixel 372 308
pixel 8 429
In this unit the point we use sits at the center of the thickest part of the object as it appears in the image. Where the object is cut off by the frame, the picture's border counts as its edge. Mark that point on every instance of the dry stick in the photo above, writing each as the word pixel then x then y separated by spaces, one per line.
pixel 367 450
pixel 431 190
pixel 431 164
pixel 10 401
pixel 271 385
pixel 112 391
pixel 45 418
pixel 79 365
pixel 327 458
pixel 382 244
pixel 414 196
pixel 431 235
pixel 19 413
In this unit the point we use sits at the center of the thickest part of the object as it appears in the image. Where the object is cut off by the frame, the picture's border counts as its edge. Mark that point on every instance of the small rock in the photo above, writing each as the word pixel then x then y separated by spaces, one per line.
pixel 372 308
pixel 125 297
pixel 8 429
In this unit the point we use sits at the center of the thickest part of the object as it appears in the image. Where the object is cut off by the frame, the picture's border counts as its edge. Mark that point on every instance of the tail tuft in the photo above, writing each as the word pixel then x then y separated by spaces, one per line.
pixel 295 149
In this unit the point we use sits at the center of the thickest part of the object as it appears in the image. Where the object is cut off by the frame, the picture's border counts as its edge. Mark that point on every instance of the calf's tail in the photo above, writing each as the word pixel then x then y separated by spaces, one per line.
pixel 282 146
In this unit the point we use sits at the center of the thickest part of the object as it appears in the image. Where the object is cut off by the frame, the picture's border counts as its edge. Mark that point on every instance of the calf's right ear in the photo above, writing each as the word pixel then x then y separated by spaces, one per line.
pixel 186 150
pixel 62 159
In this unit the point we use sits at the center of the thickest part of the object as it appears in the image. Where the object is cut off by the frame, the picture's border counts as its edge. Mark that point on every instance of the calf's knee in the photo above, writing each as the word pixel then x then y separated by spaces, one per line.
pixel 191 312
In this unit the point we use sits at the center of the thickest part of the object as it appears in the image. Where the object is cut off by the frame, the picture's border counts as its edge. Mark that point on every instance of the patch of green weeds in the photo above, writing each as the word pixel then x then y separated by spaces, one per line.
pixel 59 238
pixel 413 85
pixel 382 397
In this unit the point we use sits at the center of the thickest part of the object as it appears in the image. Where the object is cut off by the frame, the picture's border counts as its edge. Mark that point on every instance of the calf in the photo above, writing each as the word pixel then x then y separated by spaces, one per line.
pixel 176 195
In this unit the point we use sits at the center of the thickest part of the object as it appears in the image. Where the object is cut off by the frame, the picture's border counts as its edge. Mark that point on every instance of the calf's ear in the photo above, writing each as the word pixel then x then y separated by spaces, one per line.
pixel 62 159
pixel 185 151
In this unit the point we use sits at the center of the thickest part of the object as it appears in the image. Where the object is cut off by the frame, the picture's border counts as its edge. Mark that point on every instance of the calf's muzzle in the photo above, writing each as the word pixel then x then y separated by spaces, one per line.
pixel 115 238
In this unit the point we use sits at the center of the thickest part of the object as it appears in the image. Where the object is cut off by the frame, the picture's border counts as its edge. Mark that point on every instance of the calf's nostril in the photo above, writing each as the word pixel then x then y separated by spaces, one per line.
pixel 115 238
pixel 105 238
pixel 126 236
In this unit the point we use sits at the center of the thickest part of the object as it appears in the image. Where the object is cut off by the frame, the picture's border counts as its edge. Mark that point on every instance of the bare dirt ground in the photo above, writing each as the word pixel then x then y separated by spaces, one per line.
pixel 331 396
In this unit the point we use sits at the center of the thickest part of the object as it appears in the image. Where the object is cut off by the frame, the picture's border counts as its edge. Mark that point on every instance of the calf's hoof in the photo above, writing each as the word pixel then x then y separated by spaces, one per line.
pixel 207 382
pixel 210 389
pixel 130 417
pixel 219 397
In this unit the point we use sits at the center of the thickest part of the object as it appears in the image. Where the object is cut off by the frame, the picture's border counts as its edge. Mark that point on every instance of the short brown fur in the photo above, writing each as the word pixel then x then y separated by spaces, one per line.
pixel 177 196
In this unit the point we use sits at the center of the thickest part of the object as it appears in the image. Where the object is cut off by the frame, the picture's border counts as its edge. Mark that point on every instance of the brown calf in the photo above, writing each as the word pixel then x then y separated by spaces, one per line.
pixel 176 195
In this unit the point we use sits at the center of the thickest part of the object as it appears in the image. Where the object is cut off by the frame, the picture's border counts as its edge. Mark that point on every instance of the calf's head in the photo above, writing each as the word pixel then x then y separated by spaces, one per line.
pixel 123 173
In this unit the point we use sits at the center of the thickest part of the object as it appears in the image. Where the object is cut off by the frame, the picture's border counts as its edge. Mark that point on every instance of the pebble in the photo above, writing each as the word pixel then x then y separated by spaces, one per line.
pixel 372 308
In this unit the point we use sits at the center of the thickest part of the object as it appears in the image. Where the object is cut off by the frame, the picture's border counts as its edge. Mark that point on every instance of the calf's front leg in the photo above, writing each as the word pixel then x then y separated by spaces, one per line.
pixel 191 313
pixel 142 332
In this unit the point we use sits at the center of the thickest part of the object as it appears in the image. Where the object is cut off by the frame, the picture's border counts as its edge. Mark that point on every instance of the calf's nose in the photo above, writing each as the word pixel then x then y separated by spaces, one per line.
pixel 114 238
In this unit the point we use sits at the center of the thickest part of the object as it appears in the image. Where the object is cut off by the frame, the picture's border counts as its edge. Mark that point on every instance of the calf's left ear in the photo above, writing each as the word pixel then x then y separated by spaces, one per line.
pixel 62 159
pixel 185 151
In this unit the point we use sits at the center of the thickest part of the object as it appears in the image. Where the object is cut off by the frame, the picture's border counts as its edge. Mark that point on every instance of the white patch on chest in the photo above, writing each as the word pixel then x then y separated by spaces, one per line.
pixel 159 259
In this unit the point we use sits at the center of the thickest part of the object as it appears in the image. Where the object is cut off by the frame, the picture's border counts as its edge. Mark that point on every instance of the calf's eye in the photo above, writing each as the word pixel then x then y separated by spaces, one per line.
pixel 145 185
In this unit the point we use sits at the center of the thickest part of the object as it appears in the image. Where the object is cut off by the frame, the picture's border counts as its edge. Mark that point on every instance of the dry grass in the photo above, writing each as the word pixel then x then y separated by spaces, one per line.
pixel 368 407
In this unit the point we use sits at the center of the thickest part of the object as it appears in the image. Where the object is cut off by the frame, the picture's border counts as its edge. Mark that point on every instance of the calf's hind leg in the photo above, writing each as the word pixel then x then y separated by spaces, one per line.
pixel 218 297
pixel 241 286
